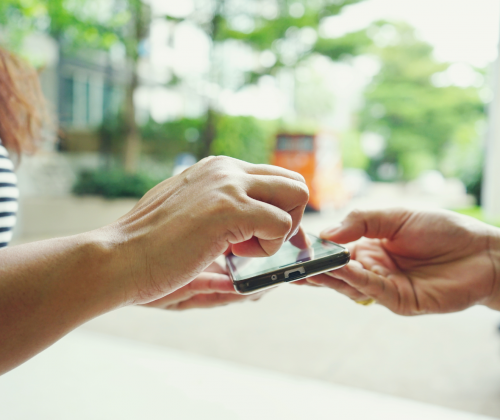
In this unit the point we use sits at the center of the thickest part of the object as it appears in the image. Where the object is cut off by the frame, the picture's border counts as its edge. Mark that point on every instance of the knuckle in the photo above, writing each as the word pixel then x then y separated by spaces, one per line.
pixel 303 193
pixel 221 161
pixel 229 202
pixel 296 176
pixel 286 222
pixel 207 162
pixel 230 188
pixel 300 178
pixel 355 215
pixel 214 164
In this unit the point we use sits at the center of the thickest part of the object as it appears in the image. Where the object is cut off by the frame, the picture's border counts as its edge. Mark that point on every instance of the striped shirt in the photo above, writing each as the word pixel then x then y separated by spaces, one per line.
pixel 8 197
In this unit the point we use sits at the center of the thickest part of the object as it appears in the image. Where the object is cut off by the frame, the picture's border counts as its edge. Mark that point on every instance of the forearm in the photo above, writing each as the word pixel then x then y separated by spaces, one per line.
pixel 49 288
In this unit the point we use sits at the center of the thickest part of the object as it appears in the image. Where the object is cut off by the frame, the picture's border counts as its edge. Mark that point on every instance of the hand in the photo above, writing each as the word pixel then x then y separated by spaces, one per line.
pixel 210 289
pixel 416 262
pixel 182 225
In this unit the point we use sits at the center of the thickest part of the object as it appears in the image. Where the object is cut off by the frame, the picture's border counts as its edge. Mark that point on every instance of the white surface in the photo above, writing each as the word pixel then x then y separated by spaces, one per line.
pixel 460 31
pixel 491 193
pixel 90 376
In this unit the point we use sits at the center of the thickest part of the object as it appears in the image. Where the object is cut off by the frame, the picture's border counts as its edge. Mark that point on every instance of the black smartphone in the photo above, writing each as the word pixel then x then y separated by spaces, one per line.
pixel 251 275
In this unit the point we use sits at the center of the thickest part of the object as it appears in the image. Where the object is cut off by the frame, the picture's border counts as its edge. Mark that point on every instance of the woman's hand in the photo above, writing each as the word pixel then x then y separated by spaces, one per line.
pixel 416 262
pixel 210 289
pixel 182 225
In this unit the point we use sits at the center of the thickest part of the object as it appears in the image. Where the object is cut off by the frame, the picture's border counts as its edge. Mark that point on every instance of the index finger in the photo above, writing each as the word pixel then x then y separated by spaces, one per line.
pixel 274 171
pixel 285 193
pixel 207 283
pixel 375 224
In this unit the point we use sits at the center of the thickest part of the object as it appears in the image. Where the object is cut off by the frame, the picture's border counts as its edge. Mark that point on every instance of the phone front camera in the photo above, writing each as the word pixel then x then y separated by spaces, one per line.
pixel 274 277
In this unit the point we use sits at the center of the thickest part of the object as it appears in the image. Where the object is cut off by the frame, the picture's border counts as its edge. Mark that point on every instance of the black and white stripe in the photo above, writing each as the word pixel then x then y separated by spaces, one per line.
pixel 8 197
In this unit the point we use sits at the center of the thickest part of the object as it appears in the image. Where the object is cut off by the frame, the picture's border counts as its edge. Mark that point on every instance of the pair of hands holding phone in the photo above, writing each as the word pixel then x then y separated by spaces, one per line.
pixel 162 254
pixel 412 262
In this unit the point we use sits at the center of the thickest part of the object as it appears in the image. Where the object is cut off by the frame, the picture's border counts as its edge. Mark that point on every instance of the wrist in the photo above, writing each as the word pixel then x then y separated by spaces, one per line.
pixel 49 288
pixel 107 277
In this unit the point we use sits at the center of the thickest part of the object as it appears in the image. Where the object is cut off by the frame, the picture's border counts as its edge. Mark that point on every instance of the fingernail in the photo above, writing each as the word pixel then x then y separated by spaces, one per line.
pixel 331 231
pixel 314 281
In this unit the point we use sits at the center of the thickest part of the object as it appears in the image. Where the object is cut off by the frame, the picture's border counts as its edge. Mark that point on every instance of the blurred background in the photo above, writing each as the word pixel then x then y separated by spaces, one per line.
pixel 377 103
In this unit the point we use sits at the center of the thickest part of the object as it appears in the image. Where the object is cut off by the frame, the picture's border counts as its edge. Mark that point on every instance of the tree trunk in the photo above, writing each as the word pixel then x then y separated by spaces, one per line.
pixel 141 19
pixel 210 130
pixel 209 133
pixel 133 137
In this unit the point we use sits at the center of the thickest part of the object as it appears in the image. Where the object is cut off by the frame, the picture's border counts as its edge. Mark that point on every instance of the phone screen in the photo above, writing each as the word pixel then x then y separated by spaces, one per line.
pixel 244 268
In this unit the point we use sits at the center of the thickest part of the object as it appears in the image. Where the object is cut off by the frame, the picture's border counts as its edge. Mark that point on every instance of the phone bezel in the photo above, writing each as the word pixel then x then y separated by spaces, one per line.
pixel 265 281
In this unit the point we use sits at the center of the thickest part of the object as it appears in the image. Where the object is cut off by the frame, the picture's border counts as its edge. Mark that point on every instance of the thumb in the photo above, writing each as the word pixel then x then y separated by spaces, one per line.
pixel 375 224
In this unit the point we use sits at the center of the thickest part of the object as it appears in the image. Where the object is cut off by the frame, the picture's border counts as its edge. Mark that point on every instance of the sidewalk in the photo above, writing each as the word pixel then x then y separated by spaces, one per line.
pixel 89 376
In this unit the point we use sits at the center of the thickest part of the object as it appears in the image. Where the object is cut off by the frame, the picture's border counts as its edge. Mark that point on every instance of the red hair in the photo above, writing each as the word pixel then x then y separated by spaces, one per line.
pixel 22 105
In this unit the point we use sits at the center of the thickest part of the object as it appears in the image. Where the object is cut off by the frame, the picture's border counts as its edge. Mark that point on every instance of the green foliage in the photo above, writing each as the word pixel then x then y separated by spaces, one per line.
pixel 477 213
pixel 17 20
pixel 173 137
pixel 473 180
pixel 75 24
pixel 419 120
pixel 113 184
pixel 352 153
pixel 244 138
pixel 351 44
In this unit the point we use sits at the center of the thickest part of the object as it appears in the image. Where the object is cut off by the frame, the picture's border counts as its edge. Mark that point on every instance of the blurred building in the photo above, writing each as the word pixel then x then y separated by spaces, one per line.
pixel 84 88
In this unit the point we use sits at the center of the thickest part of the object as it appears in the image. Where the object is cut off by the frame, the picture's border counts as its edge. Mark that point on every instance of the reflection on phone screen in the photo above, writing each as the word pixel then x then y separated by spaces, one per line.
pixel 244 268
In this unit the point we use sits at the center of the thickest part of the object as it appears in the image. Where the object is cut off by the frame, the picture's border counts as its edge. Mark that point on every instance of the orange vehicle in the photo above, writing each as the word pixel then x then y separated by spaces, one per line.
pixel 318 159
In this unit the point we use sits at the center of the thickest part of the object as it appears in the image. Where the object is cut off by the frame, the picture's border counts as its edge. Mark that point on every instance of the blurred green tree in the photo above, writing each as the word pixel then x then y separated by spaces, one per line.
pixel 89 24
pixel 244 138
pixel 416 110
pixel 280 33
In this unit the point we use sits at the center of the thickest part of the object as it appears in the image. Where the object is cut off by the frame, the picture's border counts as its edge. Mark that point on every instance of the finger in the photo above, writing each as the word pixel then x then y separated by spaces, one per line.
pixel 304 283
pixel 275 171
pixel 215 267
pixel 301 239
pixel 370 284
pixel 287 194
pixel 210 283
pixel 207 301
pixel 265 228
pixel 324 280
pixel 205 283
pixel 378 224
pixel 300 283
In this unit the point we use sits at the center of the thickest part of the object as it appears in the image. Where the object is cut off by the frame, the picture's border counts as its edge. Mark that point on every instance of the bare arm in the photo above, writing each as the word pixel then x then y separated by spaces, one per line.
pixel 49 288
pixel 177 230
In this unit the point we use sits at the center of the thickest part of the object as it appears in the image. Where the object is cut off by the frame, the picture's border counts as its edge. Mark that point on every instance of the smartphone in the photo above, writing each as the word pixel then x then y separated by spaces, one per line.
pixel 252 275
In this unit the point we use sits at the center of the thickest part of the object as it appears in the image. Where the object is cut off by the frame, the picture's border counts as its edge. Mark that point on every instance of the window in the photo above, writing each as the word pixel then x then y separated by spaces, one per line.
pixel 298 144
pixel 305 144
pixel 66 101
pixel 285 143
